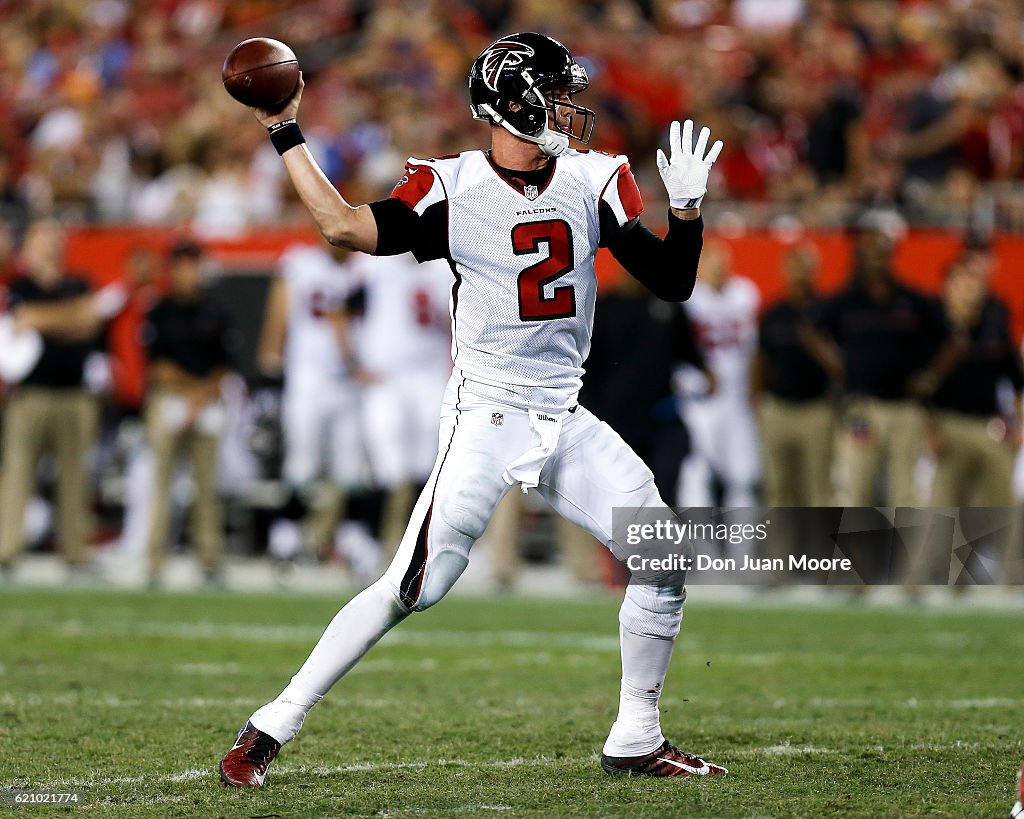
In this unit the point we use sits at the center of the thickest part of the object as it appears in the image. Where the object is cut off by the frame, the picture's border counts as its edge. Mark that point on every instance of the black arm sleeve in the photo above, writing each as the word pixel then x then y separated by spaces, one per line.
pixel 401 230
pixel 667 267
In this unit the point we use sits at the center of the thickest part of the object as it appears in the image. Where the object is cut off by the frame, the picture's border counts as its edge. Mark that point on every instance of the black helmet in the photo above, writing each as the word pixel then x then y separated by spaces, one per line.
pixel 524 68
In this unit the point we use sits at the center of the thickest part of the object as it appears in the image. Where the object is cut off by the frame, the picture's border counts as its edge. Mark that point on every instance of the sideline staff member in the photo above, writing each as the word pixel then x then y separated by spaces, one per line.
pixel 186 337
pixel 50 407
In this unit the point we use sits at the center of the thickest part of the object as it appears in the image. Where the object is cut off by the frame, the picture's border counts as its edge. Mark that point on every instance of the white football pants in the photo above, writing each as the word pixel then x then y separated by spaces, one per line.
pixel 585 471
pixel 321 421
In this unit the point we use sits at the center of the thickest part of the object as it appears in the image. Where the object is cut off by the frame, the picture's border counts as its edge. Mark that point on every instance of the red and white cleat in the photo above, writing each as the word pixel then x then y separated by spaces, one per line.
pixel 667 760
pixel 1017 811
pixel 245 765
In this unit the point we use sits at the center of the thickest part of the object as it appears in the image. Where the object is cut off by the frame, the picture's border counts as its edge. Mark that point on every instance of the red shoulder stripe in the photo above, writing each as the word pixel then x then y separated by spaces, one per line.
pixel 629 193
pixel 412 187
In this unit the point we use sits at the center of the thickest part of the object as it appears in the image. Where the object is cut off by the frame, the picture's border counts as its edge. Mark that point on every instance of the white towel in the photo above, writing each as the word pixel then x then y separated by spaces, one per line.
pixel 110 300
pixel 525 469
pixel 20 351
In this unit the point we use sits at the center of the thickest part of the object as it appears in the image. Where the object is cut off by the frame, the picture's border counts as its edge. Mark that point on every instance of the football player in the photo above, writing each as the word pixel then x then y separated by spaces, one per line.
pixel 723 310
pixel 306 338
pixel 519 224
pixel 403 343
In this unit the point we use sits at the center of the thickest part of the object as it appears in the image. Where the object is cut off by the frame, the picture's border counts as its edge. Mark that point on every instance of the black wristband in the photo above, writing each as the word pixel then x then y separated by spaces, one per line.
pixel 285 135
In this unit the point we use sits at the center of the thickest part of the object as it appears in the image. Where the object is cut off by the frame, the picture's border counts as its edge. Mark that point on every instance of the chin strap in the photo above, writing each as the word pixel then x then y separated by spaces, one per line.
pixel 552 143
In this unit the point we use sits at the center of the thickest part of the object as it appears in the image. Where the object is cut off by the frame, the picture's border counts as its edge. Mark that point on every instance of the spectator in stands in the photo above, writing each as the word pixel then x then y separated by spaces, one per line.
pixel 187 339
pixel 49 408
pixel 827 100
pixel 882 337
pixel 794 409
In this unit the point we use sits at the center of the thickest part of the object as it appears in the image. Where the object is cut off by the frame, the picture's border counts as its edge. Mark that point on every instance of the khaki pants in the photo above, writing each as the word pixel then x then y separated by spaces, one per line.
pixel 971 470
pixel 37 418
pixel 581 552
pixel 877 433
pixel 167 443
pixel 798 445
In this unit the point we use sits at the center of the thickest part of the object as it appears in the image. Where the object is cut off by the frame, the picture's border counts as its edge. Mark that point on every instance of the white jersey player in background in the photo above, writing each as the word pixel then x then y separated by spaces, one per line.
pixel 724 312
pixel 520 226
pixel 403 343
pixel 306 337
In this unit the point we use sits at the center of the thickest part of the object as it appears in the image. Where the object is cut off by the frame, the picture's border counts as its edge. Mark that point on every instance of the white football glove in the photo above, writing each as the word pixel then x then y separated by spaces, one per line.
pixel 686 174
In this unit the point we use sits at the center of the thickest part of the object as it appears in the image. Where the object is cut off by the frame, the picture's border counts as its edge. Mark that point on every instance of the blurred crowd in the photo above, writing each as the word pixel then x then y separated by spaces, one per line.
pixel 113 110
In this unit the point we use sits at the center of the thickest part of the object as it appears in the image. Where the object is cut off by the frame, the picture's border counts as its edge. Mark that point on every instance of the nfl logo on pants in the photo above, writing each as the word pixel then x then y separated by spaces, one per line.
pixel 497 419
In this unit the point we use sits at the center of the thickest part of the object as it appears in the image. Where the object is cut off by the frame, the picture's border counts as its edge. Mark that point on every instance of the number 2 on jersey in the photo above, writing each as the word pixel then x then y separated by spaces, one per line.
pixel 526 240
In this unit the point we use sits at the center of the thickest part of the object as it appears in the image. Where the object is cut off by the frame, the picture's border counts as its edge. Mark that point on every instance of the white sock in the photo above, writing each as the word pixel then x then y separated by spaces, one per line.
pixel 353 631
pixel 637 729
pixel 282 718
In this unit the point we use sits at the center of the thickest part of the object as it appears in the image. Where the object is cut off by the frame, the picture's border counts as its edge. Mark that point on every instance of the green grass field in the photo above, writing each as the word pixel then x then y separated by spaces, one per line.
pixel 500 708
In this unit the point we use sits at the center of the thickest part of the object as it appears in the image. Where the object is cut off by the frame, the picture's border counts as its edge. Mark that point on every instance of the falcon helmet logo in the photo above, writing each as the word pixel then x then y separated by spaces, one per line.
pixel 503 54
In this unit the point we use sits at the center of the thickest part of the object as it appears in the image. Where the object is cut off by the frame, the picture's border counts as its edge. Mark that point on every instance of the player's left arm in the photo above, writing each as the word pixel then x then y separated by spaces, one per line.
pixel 275 330
pixel 667 267
pixel 687 350
pixel 341 323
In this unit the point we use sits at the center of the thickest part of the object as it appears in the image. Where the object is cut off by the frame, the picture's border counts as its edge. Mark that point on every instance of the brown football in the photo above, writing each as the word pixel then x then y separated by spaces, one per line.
pixel 261 73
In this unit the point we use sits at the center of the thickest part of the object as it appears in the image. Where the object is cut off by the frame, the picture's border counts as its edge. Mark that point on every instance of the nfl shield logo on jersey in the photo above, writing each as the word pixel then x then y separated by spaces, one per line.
pixel 497 419
pixel 531 192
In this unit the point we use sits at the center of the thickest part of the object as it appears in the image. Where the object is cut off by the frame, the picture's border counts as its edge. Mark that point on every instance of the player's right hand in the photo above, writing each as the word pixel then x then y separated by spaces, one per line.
pixel 290 110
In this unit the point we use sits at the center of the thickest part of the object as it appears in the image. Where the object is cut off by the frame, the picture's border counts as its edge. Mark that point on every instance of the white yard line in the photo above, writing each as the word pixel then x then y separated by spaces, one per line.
pixel 33 700
pixel 207 669
pixel 325 770
pixel 781 750
pixel 263 634
pixel 472 807
pixel 194 774
pixel 911 703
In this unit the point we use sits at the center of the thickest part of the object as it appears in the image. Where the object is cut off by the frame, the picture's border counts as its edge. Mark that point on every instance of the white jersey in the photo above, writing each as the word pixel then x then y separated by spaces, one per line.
pixel 525 287
pixel 316 287
pixel 405 324
pixel 726 325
